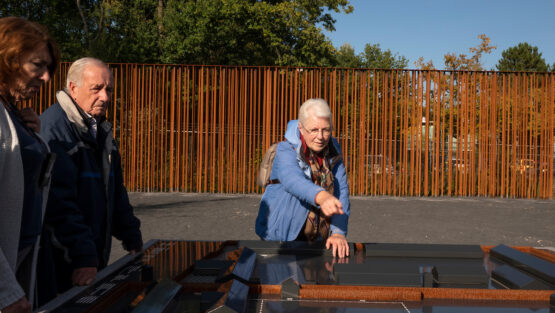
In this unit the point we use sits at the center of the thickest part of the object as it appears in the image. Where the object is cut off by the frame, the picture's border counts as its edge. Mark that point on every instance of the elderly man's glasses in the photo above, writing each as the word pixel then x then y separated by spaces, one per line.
pixel 315 131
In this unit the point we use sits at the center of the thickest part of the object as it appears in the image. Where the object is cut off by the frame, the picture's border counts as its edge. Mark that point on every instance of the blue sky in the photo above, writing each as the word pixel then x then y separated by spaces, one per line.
pixel 432 28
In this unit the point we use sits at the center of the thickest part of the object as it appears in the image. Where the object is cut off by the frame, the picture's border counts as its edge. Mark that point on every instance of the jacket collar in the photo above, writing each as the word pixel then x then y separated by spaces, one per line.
pixel 77 116
pixel 72 110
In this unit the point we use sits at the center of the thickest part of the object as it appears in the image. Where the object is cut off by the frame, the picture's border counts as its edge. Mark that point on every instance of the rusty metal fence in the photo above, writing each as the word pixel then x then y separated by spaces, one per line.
pixel 403 132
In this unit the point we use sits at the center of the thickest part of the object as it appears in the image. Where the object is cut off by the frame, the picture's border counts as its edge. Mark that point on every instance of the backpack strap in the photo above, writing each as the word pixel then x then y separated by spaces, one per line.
pixel 265 169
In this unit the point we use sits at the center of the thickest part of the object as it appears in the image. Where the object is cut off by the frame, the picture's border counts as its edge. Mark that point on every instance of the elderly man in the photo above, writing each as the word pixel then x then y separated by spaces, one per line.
pixel 308 195
pixel 88 202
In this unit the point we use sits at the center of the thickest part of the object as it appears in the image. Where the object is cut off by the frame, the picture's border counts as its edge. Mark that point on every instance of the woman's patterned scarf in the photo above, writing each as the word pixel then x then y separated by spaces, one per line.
pixel 316 221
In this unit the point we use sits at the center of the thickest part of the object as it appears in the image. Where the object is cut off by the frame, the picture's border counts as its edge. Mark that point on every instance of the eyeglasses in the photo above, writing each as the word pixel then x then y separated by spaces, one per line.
pixel 315 131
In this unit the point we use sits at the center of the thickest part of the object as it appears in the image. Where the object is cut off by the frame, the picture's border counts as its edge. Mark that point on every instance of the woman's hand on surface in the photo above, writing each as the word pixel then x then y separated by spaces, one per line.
pixel 338 244
pixel 329 204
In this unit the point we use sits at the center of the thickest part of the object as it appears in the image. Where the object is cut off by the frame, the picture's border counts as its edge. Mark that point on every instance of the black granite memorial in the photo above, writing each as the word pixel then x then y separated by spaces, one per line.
pixel 260 277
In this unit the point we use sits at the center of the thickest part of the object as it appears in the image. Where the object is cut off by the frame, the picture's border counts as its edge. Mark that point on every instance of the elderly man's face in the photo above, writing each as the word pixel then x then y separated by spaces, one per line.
pixel 95 90
pixel 316 132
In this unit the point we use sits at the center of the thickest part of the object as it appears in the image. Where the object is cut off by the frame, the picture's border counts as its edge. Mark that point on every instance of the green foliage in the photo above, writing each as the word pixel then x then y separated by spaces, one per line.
pixel 238 32
pixel 346 57
pixel 60 17
pixel 227 32
pixel 374 57
pixel 522 57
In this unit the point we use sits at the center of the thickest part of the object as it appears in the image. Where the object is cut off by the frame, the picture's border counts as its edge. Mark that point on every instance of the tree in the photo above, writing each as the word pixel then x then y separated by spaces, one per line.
pixel 374 57
pixel 522 57
pixel 472 62
pixel 228 32
pixel 424 65
pixel 242 32
pixel 346 57
pixel 462 61
pixel 73 24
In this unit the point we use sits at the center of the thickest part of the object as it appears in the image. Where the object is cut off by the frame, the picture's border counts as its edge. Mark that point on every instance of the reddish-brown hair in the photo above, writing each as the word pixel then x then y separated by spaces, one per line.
pixel 19 36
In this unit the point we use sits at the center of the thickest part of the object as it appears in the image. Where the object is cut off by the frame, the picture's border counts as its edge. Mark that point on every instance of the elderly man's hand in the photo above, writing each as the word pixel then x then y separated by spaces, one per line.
pixel 339 245
pixel 83 276
pixel 329 204
pixel 20 306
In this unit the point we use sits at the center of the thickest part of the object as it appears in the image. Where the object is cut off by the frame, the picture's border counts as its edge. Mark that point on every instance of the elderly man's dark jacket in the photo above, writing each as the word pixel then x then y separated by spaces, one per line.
pixel 88 202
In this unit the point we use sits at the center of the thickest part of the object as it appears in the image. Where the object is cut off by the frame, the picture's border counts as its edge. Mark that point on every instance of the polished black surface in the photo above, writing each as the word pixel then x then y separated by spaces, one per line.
pixel 362 270
pixel 158 298
pixel 543 269
pixel 290 289
pixel 423 250
pixel 309 306
pixel 378 273
pixel 198 267
pixel 515 279
pixel 468 275
pixel 235 299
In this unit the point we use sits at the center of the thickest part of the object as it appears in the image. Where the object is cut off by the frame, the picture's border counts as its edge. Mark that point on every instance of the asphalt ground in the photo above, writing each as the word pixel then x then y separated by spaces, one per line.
pixel 485 221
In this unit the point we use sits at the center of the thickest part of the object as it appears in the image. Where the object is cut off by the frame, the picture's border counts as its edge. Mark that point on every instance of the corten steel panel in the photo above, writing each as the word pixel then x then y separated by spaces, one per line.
pixel 403 132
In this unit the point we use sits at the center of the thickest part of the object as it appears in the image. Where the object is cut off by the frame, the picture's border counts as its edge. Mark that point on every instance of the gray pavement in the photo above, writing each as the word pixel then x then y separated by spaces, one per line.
pixel 483 221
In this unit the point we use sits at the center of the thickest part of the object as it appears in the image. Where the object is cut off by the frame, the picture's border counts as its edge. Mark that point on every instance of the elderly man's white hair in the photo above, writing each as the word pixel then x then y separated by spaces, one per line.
pixel 314 107
pixel 74 74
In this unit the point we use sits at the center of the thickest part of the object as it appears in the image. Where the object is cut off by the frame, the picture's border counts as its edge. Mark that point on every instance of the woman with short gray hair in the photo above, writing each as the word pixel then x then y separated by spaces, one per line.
pixel 307 197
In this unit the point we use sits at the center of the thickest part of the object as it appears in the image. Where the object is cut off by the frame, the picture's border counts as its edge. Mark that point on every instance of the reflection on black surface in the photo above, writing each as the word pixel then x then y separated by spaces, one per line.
pixel 310 306
pixel 273 269
pixel 170 259
pixel 485 309
pixel 123 288
pixel 477 306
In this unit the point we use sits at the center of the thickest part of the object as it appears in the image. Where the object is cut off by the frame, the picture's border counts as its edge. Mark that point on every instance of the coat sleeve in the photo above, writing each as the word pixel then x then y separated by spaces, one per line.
pixel 11 200
pixel 63 216
pixel 339 223
pixel 292 177
pixel 126 226
pixel 10 291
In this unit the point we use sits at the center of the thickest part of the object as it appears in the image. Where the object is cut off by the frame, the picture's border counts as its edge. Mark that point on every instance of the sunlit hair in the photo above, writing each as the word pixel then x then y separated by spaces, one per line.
pixel 75 72
pixel 19 37
pixel 314 107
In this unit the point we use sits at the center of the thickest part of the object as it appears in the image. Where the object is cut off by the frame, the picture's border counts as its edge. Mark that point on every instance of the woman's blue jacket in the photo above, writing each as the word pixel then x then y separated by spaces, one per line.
pixel 284 206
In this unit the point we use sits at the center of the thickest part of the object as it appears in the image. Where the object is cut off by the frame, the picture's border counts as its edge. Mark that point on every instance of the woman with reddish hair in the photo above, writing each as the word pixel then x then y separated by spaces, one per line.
pixel 28 59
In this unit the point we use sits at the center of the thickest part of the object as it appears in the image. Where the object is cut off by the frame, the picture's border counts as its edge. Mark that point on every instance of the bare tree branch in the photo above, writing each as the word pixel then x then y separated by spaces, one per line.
pixel 85 27
pixel 101 22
